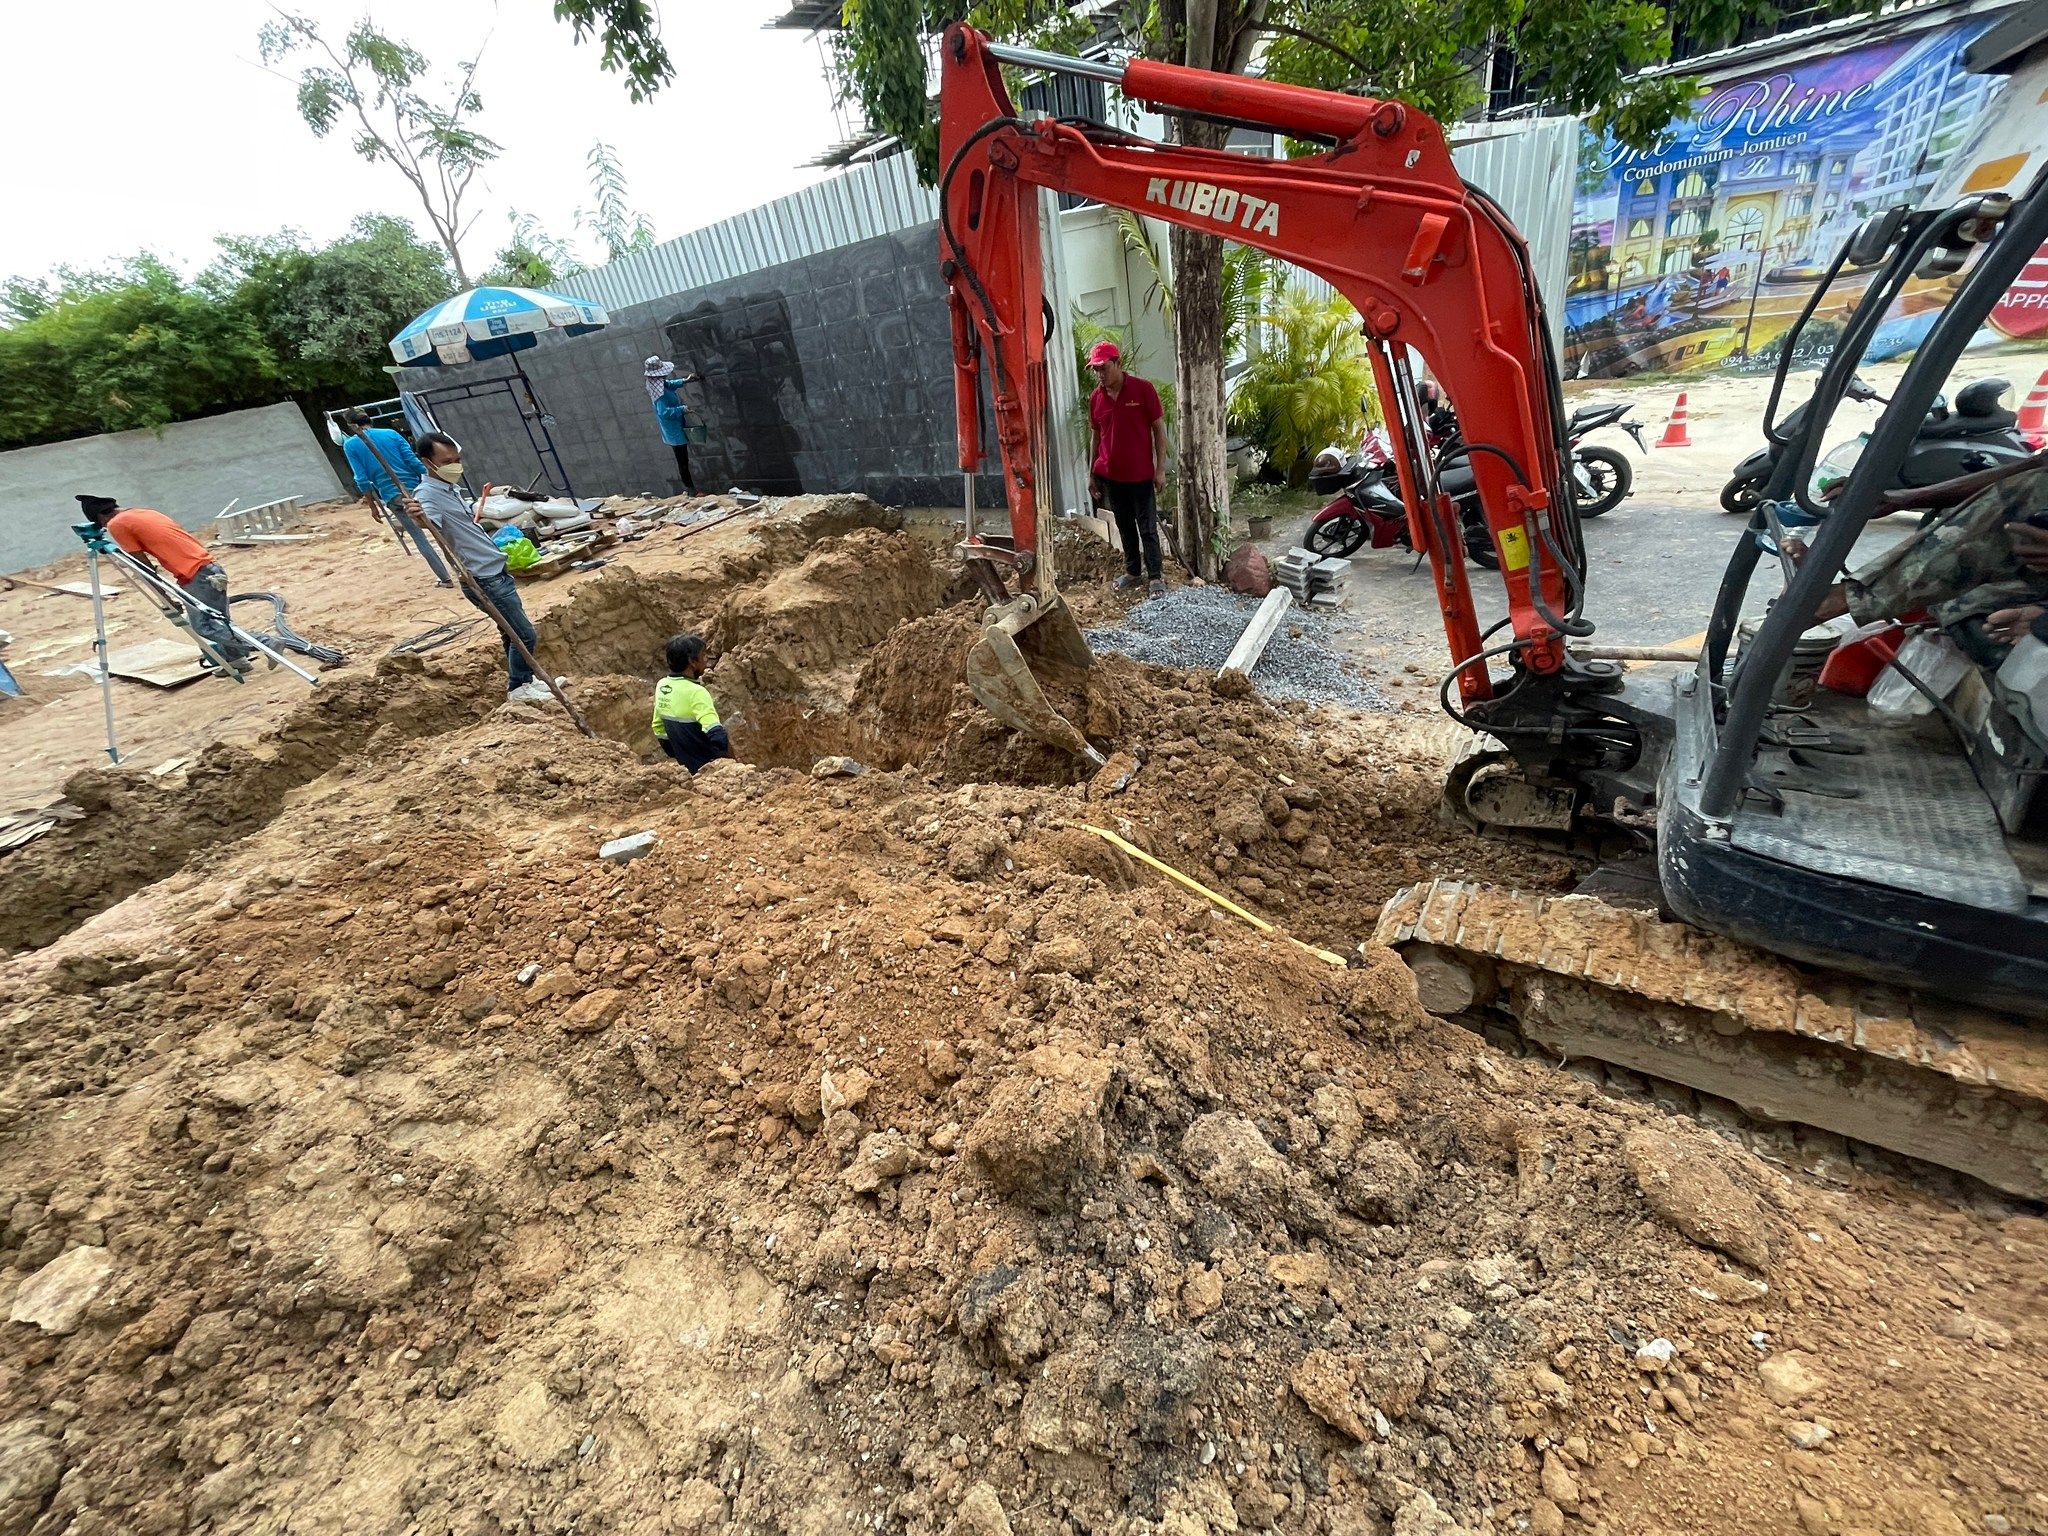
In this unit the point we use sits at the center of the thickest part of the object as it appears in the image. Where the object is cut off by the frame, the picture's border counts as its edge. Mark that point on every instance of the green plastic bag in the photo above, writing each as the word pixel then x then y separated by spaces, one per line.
pixel 519 554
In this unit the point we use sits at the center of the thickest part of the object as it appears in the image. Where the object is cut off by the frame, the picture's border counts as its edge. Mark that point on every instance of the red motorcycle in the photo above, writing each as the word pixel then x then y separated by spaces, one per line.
pixel 1366 510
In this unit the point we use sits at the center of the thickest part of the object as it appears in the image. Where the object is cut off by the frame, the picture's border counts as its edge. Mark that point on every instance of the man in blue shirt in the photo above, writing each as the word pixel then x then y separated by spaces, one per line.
pixel 386 497
pixel 664 388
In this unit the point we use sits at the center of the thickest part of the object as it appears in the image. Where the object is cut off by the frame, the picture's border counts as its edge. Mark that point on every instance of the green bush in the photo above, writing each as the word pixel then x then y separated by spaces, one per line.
pixel 1303 389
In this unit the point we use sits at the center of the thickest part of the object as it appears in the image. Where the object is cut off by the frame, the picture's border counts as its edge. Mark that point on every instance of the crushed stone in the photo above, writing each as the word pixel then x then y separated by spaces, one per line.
pixel 1195 628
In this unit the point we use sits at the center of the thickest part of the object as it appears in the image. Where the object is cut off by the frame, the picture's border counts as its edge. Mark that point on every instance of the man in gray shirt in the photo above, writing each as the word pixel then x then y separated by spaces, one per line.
pixel 486 582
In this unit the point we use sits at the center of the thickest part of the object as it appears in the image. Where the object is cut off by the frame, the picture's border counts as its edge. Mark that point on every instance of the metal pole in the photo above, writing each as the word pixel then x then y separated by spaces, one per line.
pixel 541 419
pixel 1754 288
pixel 99 629
pixel 1055 63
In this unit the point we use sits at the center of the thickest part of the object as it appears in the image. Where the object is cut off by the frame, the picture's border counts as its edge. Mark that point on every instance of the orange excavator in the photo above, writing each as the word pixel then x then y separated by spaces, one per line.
pixel 1429 263
pixel 1806 913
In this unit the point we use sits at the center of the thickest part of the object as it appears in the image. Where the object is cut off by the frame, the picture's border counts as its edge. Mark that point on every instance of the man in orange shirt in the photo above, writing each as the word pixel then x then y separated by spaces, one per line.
pixel 155 539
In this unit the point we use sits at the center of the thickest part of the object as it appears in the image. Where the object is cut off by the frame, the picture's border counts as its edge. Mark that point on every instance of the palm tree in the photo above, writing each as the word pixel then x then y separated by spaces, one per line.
pixel 1305 387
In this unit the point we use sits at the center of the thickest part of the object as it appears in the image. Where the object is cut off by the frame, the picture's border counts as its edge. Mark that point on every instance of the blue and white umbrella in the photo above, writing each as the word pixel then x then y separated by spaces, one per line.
pixel 491 322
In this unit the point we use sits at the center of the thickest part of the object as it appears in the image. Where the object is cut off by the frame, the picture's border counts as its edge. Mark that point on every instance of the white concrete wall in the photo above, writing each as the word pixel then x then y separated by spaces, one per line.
pixel 190 470
pixel 1114 287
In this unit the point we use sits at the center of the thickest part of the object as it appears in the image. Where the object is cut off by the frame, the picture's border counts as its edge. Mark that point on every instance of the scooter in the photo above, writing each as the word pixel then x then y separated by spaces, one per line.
pixel 1978 434
pixel 1601 476
pixel 1367 510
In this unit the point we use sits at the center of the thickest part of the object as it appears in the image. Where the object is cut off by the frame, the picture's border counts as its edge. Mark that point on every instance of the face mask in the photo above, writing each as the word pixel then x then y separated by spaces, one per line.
pixel 452 473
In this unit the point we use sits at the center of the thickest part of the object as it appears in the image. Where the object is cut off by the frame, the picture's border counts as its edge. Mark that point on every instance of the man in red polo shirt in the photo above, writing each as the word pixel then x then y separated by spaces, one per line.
pixel 1129 428
pixel 154 538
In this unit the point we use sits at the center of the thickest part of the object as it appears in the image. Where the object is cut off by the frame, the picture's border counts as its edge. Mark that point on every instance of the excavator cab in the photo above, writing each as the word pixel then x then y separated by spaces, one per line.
pixel 1793 817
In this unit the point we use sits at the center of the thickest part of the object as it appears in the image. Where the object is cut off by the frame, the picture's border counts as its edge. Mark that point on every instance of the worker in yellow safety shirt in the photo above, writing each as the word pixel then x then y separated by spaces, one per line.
pixel 685 718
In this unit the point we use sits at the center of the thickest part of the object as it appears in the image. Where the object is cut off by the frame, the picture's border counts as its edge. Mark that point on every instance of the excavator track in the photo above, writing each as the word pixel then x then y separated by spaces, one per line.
pixel 1578 978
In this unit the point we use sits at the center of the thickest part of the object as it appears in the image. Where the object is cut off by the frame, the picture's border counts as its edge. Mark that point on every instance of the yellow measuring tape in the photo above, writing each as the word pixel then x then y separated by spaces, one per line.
pixel 1213 897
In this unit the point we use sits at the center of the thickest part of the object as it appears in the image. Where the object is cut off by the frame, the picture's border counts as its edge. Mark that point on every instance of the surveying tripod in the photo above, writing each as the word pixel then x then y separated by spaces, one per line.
pixel 199 622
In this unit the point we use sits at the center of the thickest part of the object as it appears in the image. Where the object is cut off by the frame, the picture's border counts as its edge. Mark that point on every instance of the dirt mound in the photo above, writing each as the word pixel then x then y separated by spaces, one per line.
pixel 140 826
pixel 851 1158
pixel 889 1151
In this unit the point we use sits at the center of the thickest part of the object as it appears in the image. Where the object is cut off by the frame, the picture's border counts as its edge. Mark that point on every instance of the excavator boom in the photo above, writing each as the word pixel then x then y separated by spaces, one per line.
pixel 1381 214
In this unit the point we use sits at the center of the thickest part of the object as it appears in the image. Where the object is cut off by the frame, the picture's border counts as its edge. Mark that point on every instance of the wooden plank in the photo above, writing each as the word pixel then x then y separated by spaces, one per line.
pixel 162 663
pixel 61 589
pixel 1251 645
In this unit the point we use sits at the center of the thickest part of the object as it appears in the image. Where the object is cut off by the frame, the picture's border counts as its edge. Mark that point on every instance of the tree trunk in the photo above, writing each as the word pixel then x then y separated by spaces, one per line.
pixel 1203 506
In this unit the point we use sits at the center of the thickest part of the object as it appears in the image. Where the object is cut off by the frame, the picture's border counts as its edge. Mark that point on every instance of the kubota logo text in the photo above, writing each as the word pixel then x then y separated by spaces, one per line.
pixel 1226 205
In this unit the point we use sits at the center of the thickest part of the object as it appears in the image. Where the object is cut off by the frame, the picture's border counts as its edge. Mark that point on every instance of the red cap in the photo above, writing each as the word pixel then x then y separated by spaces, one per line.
pixel 1104 352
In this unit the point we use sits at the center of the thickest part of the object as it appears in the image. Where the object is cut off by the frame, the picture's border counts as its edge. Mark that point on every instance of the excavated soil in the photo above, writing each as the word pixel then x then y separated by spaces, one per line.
pixel 888 1151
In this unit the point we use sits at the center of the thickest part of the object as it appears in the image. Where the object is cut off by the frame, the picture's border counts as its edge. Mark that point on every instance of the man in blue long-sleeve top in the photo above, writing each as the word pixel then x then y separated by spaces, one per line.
pixel 387 498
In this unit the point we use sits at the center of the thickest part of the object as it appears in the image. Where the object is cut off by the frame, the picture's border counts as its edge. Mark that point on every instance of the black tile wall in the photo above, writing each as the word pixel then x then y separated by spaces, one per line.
pixel 832 373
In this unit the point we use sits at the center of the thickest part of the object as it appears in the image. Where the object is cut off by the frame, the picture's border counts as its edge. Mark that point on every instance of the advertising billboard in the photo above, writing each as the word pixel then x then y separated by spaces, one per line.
pixel 1699 252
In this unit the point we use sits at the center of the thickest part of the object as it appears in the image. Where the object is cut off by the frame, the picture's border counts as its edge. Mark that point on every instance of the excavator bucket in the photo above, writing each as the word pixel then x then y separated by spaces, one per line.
pixel 1017 636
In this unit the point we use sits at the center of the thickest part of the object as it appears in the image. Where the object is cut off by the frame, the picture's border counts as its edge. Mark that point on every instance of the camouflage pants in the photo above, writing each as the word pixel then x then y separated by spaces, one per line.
pixel 1960 567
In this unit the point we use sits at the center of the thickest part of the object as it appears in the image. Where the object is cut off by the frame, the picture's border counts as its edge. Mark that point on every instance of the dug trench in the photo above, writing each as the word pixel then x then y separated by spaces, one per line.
pixel 890 1151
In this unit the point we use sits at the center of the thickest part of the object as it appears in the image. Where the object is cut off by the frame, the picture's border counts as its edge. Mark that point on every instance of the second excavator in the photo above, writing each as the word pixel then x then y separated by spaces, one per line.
pixel 1896 875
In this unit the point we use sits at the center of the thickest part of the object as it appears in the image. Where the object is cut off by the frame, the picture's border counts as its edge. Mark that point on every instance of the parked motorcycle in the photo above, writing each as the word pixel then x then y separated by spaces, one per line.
pixel 1977 434
pixel 1601 476
pixel 1366 509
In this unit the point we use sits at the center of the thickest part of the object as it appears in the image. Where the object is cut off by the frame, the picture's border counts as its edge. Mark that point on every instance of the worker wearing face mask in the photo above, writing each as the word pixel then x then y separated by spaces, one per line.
pixel 486 582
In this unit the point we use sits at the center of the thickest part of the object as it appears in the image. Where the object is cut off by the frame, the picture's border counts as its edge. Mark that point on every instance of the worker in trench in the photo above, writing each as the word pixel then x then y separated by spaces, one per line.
pixel 685 715
pixel 369 450
pixel 1981 570
pixel 159 542
pixel 490 586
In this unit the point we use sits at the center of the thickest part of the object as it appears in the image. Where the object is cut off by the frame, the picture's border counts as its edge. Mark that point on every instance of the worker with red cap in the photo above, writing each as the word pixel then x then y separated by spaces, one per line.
pixel 1129 429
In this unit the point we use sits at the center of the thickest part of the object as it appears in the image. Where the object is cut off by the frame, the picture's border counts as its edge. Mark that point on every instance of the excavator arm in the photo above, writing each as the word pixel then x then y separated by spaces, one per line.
pixel 1381 214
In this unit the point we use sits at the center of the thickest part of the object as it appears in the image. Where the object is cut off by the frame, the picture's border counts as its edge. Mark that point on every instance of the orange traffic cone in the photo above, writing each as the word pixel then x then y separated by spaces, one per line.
pixel 2033 422
pixel 1674 430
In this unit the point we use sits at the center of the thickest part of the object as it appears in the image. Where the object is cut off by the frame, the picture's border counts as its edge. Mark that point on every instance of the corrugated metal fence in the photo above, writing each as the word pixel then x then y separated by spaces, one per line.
pixel 1526 166
pixel 874 199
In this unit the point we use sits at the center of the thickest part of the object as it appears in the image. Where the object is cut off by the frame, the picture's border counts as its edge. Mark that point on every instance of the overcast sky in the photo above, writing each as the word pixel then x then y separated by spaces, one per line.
pixel 157 127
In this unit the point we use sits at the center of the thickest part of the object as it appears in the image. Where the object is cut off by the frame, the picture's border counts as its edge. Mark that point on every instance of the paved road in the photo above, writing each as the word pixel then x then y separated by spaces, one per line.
pixel 1655 564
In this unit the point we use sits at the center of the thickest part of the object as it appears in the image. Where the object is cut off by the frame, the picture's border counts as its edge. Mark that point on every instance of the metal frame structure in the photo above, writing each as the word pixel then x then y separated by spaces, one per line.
pixel 536 421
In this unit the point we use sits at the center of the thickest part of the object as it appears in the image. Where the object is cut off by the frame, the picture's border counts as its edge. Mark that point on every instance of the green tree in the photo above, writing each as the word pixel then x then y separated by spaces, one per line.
pixel 375 81
pixel 1304 389
pixel 619 230
pixel 534 259
pixel 328 313
pixel 630 34
pixel 106 352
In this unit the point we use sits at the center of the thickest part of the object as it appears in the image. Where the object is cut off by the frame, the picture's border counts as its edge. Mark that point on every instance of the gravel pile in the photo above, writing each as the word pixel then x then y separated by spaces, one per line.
pixel 1195 627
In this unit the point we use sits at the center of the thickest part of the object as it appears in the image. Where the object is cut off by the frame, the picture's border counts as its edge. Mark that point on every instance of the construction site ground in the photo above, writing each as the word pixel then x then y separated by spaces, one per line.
pixel 882 1150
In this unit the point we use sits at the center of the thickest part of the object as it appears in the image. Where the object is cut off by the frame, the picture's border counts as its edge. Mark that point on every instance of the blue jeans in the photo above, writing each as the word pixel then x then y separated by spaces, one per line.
pixel 503 595
pixel 406 528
